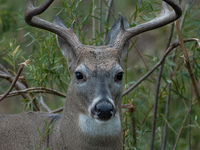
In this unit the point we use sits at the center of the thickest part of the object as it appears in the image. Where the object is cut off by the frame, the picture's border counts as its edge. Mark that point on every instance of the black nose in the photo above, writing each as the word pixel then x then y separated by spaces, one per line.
pixel 104 110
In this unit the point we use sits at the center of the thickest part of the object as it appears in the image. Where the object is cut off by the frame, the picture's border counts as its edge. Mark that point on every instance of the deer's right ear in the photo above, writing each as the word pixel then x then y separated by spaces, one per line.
pixel 114 32
pixel 64 45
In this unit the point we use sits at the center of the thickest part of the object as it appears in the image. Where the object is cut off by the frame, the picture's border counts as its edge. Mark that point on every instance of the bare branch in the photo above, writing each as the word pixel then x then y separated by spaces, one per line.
pixel 93 21
pixel 18 86
pixel 57 110
pixel 147 114
pixel 171 47
pixel 44 105
pixel 191 93
pixel 171 78
pixel 32 19
pixel 13 83
pixel 36 90
pixel 184 123
pixel 154 80
pixel 161 93
pixel 168 96
pixel 165 17
pixel 4 75
pixel 187 61
pixel 109 5
pixel 100 14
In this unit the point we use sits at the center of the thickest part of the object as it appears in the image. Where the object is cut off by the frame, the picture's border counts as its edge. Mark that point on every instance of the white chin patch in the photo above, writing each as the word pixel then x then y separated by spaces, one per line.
pixel 93 127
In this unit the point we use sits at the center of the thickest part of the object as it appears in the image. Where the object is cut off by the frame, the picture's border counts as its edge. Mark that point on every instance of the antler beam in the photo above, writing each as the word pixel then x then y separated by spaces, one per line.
pixel 165 17
pixel 31 18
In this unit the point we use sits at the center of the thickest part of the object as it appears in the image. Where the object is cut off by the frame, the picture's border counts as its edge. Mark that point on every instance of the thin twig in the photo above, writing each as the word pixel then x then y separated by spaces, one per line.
pixel 154 80
pixel 164 141
pixel 155 110
pixel 162 92
pixel 174 73
pixel 109 11
pixel 183 124
pixel 93 21
pixel 100 14
pixel 184 15
pixel 191 93
pixel 107 17
pixel 4 75
pixel 36 90
pixel 189 67
pixel 187 61
pixel 192 2
pixel 169 93
pixel 57 110
pixel 157 92
pixel 13 83
pixel 18 86
pixel 171 47
pixel 147 114
pixel 133 122
pixel 44 105
pixel 190 119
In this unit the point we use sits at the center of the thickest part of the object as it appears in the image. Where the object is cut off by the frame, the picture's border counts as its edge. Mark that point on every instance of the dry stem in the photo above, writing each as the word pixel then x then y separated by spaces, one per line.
pixel 187 61
pixel 14 82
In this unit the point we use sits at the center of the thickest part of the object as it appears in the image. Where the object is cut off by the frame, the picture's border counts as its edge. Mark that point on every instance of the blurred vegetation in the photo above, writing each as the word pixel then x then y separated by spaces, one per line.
pixel 48 67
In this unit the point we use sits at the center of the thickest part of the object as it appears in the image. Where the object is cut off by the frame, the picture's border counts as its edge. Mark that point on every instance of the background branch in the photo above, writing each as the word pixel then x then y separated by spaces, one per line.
pixel 171 47
pixel 14 82
pixel 36 90
pixel 157 90
pixel 107 17
pixel 187 61
pixel 44 105
pixel 18 86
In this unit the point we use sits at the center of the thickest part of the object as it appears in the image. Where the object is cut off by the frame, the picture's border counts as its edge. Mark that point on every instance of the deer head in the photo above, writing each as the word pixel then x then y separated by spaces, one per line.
pixel 95 90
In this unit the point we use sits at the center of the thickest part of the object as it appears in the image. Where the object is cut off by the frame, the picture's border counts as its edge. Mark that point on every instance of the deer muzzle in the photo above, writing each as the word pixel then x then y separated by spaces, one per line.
pixel 103 110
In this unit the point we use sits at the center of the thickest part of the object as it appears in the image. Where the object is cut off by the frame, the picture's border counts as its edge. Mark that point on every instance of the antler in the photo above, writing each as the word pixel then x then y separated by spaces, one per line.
pixel 31 19
pixel 165 17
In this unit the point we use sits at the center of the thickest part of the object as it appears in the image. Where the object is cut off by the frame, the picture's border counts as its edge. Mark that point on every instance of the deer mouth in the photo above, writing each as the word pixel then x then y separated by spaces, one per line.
pixel 93 126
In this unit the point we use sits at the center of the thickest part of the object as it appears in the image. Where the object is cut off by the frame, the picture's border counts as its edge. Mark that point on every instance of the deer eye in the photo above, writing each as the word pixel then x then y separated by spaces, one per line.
pixel 79 75
pixel 119 76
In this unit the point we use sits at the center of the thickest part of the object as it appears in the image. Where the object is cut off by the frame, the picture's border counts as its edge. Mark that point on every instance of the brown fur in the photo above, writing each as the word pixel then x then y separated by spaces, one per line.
pixel 102 58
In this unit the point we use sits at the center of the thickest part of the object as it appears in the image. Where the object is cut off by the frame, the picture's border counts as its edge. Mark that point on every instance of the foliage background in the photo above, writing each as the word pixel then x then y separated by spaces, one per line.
pixel 48 68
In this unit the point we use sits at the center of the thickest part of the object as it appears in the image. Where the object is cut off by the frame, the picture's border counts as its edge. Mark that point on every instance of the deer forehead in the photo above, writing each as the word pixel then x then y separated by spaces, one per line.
pixel 98 59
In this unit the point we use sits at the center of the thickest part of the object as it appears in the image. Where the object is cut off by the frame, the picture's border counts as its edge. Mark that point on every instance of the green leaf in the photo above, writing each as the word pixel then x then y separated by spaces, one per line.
pixel 39 132
pixel 169 81
pixel 179 94
pixel 195 118
pixel 8 60
pixel 16 50
pixel 51 132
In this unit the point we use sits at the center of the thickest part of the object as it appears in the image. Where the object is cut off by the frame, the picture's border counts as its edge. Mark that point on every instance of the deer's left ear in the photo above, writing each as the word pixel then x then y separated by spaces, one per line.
pixel 65 47
pixel 113 33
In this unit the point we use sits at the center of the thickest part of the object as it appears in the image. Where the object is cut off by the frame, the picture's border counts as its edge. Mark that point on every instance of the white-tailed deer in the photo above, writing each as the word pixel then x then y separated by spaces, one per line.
pixel 91 118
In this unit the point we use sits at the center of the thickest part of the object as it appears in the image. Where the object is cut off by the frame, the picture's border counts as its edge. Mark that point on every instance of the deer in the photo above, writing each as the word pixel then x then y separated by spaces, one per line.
pixel 92 115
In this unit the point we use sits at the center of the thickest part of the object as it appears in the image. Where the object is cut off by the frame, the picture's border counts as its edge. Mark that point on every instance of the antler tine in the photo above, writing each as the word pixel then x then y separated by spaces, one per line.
pixel 33 11
pixel 31 19
pixel 165 17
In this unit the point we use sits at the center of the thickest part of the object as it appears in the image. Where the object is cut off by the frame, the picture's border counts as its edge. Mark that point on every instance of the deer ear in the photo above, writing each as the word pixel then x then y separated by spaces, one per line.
pixel 64 45
pixel 113 33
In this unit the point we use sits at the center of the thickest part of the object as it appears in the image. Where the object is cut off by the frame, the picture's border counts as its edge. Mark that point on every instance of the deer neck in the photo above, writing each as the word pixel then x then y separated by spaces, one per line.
pixel 81 131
